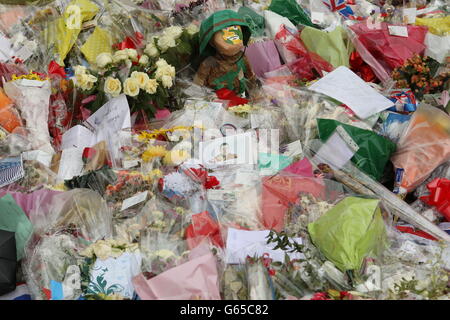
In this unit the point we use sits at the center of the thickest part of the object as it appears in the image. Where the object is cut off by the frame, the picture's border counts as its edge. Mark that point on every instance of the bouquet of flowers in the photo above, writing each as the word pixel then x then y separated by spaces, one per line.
pixel 145 83
pixel 419 74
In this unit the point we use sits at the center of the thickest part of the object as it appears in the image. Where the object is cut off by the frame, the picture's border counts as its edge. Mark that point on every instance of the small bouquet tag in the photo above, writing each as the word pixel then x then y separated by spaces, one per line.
pixel 399 31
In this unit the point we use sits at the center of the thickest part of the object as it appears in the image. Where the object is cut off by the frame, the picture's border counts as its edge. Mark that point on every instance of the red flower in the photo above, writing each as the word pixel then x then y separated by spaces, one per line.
pixel 320 296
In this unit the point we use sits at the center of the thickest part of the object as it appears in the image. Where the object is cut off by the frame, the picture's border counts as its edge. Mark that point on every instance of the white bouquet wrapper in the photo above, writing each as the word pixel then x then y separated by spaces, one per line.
pixel 32 99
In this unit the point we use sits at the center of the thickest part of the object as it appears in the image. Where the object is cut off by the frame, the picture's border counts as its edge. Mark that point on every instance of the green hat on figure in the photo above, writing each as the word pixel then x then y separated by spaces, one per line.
pixel 218 21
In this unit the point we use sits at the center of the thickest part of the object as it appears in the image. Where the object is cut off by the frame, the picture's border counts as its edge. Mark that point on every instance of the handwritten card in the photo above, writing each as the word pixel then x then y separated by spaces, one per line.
pixel 243 243
pixel 345 86
pixel 335 152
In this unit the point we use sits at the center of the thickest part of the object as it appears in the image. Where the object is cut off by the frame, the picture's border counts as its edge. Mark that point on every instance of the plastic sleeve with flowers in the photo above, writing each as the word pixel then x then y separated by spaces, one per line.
pixel 161 252
pixel 424 146
pixel 175 44
pixel 362 184
pixel 237 207
pixel 301 108
pixel 108 269
pixel 32 99
pixel 259 283
pixel 49 258
pixel 127 195
pixel 80 211
pixel 124 19
pixel 162 217
pixel 197 279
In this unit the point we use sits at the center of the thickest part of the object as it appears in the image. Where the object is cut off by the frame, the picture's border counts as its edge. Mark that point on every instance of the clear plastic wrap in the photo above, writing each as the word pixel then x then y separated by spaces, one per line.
pixel 423 147
pixel 196 279
pixel 48 259
pixel 32 99
pixel 364 185
pixel 81 210
pixel 301 108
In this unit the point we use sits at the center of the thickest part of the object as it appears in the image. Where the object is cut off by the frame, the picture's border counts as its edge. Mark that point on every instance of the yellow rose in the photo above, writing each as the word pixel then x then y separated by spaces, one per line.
pixel 151 86
pixel 131 87
pixel 113 86
pixel 141 77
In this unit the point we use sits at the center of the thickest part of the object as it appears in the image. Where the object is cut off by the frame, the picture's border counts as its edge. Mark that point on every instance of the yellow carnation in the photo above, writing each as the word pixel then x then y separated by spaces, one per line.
pixel 153 152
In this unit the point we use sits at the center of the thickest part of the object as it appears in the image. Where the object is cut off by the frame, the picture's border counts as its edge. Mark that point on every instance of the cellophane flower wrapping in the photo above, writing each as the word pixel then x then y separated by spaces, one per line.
pixel 196 279
pixel 32 98
pixel 423 147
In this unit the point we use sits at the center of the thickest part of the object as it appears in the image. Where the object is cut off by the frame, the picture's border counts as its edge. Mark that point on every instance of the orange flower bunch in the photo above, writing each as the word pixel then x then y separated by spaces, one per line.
pixel 417 74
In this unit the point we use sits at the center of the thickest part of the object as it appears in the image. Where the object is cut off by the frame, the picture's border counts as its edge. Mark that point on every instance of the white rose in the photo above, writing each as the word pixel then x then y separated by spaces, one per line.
pixel 141 78
pixel 151 86
pixel 120 55
pixel 161 63
pixel 192 29
pixel 102 250
pixel 144 60
pixel 173 32
pixel 131 87
pixel 151 50
pixel 165 71
pixel 78 70
pixel 132 54
pixel 88 252
pixel 167 81
pixel 164 253
pixel 113 86
pixel 166 42
pixel 86 81
pixel 158 215
pixel 103 59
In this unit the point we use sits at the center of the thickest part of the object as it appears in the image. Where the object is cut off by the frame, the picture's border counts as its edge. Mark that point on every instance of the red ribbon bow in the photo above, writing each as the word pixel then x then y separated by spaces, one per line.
pixel 226 94
pixel 130 42
pixel 439 196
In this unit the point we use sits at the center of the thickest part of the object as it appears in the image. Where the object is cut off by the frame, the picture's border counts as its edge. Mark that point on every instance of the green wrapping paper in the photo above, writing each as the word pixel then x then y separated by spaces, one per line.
pixel 254 21
pixel 291 10
pixel 374 150
pixel 331 46
pixel 352 230
pixel 13 219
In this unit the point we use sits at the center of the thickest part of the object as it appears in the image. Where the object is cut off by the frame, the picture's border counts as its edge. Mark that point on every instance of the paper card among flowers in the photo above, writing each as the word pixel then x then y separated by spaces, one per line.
pixel 230 150
pixel 114 275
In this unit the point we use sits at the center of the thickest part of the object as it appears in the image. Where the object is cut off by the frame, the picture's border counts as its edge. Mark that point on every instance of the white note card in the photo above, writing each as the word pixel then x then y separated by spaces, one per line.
pixel 345 86
pixel 399 31
pixel 409 14
pixel 243 243
pixel 138 198
pixel 334 152
pixel 71 163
